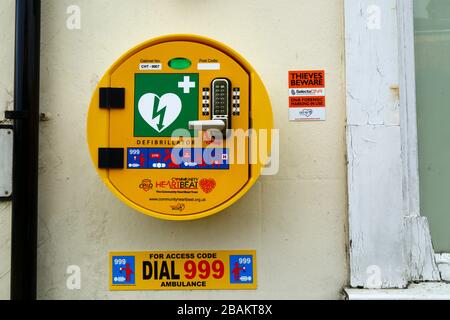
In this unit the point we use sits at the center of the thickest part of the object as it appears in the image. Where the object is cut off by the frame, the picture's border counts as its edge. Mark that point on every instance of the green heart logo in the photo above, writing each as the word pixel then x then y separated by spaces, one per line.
pixel 159 112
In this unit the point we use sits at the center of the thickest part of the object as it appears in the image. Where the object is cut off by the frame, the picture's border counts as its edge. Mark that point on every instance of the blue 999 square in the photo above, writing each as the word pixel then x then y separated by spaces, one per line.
pixel 123 270
pixel 241 269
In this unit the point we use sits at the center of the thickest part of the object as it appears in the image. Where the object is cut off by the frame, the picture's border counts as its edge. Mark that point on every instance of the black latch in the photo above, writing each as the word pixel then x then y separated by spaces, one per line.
pixel 110 158
pixel 112 98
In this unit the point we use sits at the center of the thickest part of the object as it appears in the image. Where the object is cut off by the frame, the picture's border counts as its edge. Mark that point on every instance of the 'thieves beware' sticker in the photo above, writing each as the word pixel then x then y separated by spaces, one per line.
pixel 307 95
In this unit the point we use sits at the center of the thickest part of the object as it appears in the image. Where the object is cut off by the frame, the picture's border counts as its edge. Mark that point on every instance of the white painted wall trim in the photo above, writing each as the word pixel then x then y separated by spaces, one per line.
pixel 422 291
pixel 390 243
pixel 443 263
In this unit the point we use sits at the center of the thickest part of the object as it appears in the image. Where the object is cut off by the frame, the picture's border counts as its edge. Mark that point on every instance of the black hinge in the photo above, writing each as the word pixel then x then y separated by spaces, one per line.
pixel 16 115
pixel 110 158
pixel 112 98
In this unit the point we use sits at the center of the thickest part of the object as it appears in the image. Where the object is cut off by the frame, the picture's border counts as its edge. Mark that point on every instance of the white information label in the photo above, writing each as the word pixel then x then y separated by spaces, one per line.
pixel 150 66
pixel 208 66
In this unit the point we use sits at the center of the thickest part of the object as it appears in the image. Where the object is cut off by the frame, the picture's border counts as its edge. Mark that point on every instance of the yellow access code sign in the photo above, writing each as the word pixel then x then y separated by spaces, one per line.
pixel 183 270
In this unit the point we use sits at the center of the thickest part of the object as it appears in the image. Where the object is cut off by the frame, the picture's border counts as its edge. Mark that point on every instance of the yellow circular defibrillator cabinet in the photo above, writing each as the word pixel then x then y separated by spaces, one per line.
pixel 173 127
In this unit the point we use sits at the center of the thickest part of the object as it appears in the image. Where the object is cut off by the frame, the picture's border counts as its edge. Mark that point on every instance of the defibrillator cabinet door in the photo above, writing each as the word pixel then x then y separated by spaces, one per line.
pixel 168 88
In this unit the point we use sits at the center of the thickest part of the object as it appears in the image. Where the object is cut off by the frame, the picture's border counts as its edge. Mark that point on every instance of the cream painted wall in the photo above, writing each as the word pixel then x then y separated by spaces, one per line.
pixel 295 220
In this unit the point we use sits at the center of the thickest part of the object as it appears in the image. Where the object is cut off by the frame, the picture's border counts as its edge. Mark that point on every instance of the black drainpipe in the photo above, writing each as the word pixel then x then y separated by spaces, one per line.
pixel 25 152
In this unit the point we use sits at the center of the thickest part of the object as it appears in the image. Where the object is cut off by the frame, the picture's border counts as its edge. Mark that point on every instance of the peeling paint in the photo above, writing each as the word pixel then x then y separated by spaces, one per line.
pixel 443 264
pixel 386 229
pixel 420 260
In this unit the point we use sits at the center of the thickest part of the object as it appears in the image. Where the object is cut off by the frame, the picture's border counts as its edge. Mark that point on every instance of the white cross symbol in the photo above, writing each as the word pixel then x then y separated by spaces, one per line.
pixel 186 84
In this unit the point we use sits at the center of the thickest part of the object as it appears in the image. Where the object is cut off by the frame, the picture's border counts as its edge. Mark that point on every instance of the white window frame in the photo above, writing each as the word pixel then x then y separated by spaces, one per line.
pixel 389 241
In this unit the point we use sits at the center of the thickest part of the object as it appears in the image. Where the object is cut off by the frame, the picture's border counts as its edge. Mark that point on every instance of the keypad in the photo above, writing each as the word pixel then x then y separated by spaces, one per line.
pixel 221 96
